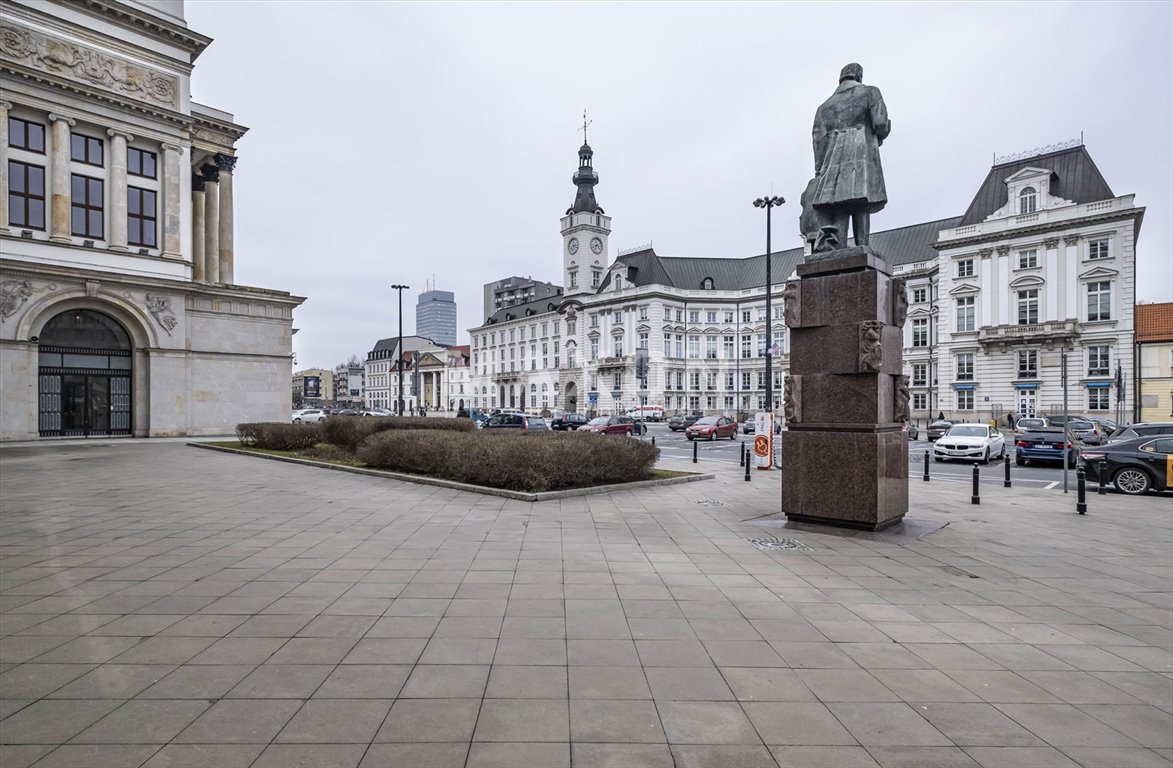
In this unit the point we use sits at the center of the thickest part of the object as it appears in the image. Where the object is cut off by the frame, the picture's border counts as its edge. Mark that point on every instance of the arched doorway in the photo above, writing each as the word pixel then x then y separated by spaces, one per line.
pixel 84 374
pixel 571 397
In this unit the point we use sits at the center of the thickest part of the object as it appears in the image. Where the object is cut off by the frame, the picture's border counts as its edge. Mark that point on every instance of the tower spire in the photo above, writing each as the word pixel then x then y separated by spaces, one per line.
pixel 585 178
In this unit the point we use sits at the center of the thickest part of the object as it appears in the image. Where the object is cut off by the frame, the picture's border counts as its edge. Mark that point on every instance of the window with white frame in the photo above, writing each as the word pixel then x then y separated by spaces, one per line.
pixel 920 332
pixel 746 346
pixel 746 316
pixel 617 380
pixel 694 346
pixel 594 321
pixel 965 314
pixel 694 380
pixel 1028 364
pixel 711 380
pixel 1028 259
pixel 729 315
pixel 965 366
pixel 617 346
pixel 965 268
pixel 594 349
pixel 643 340
pixel 710 347
pixel 694 316
pixel 920 401
pixel 711 316
pixel 643 313
pixel 727 345
pixel 745 379
pixel 1028 306
pixel 667 345
pixel 920 374
pixel 729 380
pixel 1098 248
pixel 761 380
pixel 965 399
pixel 1097 399
pixel 1028 200
pixel 618 282
pixel 595 275
pixel 920 295
pixel 761 338
pixel 1099 300
pixel 680 345
pixel 1098 362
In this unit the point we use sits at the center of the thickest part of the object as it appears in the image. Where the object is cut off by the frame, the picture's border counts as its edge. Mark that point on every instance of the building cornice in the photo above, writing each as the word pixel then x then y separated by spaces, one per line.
pixel 133 19
pixel 1058 226
pixel 168 116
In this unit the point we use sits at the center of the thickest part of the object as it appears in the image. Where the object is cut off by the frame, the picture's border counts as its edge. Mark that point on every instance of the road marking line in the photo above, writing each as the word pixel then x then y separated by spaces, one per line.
pixel 1052 485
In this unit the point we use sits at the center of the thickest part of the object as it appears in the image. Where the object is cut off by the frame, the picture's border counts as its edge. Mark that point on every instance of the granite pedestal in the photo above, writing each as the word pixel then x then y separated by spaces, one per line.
pixel 845 461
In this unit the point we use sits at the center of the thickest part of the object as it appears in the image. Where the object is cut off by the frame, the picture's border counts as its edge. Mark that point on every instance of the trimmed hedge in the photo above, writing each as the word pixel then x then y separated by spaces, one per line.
pixel 532 463
pixel 279 436
pixel 348 432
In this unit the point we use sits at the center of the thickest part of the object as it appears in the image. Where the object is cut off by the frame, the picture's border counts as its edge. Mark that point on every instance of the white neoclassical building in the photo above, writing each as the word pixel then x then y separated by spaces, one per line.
pixel 119 312
pixel 1042 262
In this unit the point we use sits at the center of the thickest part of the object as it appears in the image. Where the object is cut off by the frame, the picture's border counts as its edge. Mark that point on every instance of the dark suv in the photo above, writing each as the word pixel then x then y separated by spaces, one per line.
pixel 680 422
pixel 519 421
pixel 568 422
pixel 1141 429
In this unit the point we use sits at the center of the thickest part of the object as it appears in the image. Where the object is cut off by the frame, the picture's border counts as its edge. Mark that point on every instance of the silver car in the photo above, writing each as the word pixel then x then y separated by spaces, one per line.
pixel 308 415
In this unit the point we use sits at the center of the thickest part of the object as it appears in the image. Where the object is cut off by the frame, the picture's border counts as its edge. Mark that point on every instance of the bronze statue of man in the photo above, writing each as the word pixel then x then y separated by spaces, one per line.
pixel 849 181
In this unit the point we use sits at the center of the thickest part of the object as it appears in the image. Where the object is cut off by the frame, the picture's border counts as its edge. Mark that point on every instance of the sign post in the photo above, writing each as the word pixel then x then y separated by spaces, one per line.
pixel 763 440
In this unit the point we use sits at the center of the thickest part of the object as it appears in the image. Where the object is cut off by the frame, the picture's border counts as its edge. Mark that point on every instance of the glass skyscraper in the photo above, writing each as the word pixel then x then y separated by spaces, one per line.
pixel 435 317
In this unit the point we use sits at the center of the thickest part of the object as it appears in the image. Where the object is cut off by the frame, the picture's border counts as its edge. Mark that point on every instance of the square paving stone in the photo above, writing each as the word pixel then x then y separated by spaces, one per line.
pixel 766 684
pixel 923 685
pixel 893 725
pixel 448 681
pixel 156 721
pixel 239 650
pixel 602 653
pixel 205 755
pixel 922 757
pixel 337 627
pixel 530 651
pixel 281 681
pixel 1021 757
pixel 466 627
pixel 316 755
pixel 416 756
pixel 497 755
pixel 35 681
pixel 404 626
pixel 205 625
pixel 526 627
pixel 314 650
pixel 458 651
pixel 94 756
pixel 607 683
pixel 1148 726
pixel 1062 725
pixel 823 757
pixel 527 682
pixel 586 755
pixel 706 722
pixel 845 685
pixel 88 650
pixel 523 720
pixel 336 721
pixel 797 723
pixel 661 629
pixel 55 721
pixel 198 681
pixel 420 720
pixel 602 720
pixel 240 721
pixel 705 756
pixel 364 681
pixel 977 725
pixel 673 653
pixel 688 683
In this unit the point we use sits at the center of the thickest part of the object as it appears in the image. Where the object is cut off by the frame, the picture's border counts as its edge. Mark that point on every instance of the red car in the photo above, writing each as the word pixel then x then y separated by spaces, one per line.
pixel 712 427
pixel 612 425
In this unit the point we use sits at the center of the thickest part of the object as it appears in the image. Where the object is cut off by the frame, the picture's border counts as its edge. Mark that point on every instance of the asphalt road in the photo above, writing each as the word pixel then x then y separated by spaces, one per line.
pixel 674 445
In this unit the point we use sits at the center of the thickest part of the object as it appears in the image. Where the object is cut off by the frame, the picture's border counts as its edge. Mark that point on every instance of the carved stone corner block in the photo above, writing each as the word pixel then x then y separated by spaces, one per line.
pixel 986 253
pixel 92 288
pixel 1051 243
pixel 792 399
pixel 1003 250
pixel 1071 239
pixel 899 302
pixel 792 304
pixel 871 347
pixel 900 412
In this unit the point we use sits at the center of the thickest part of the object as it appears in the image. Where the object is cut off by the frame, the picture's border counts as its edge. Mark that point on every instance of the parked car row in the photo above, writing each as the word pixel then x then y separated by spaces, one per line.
pixel 1134 466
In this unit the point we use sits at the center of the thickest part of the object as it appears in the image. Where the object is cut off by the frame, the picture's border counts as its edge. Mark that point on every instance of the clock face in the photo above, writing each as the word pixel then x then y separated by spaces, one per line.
pixel 596 245
pixel 572 246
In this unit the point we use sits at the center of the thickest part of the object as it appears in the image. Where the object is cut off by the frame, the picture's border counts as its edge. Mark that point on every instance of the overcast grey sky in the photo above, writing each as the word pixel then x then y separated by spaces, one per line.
pixel 391 142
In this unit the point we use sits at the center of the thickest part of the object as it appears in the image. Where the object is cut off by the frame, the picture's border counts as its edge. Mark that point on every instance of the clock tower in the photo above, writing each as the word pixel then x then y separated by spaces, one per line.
pixel 585 229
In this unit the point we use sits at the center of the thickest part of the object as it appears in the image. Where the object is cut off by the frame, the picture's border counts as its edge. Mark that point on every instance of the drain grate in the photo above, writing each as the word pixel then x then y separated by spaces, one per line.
pixel 771 544
pixel 710 503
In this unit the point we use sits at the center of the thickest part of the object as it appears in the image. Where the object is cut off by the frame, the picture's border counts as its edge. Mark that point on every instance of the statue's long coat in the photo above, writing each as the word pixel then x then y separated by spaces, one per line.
pixel 849 129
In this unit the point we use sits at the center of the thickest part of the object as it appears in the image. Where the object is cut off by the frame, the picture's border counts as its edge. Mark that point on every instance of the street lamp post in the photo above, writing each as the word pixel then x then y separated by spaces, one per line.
pixel 769 203
pixel 399 351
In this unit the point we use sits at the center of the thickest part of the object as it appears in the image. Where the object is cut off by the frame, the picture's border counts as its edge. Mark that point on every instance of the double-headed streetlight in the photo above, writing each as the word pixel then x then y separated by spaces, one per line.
pixel 399 350
pixel 769 203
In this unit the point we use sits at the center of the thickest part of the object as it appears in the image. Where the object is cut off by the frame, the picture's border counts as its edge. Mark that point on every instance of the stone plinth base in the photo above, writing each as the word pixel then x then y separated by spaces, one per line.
pixel 847 479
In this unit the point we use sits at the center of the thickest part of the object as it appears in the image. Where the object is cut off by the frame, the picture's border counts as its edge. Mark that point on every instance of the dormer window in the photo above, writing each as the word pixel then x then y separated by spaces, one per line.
pixel 618 282
pixel 1028 200
pixel 707 284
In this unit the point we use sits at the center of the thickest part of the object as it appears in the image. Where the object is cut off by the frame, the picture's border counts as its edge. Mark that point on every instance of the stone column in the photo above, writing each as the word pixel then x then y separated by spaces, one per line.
pixel 226 164
pixel 4 107
pixel 60 196
pixel 211 223
pixel 172 249
pixel 197 226
pixel 116 237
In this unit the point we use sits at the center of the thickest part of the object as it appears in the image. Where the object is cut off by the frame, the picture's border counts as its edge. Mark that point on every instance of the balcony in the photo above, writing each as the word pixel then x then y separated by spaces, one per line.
pixel 614 362
pixel 1052 334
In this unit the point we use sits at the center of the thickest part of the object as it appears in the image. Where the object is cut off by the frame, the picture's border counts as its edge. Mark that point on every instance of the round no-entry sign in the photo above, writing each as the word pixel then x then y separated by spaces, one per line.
pixel 761 445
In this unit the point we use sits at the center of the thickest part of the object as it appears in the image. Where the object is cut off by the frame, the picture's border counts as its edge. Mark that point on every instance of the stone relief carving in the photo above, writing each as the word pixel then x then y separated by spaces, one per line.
pixel 1071 239
pixel 986 253
pixel 51 54
pixel 160 309
pixel 871 348
pixel 792 400
pixel 14 293
pixel 792 310
pixel 216 138
pixel 92 288
pixel 1051 243
pixel 1003 250
pixel 900 411
pixel 899 303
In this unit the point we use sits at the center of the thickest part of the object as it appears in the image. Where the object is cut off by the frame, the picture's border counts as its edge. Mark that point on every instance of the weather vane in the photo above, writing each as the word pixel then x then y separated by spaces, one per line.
pixel 585 123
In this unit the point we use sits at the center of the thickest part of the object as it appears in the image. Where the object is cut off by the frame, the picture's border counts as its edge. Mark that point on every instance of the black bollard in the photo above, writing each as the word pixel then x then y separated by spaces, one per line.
pixel 1103 474
pixel 741 455
pixel 653 441
pixel 747 466
pixel 1006 482
pixel 926 466
pixel 1081 491
pixel 694 451
pixel 975 499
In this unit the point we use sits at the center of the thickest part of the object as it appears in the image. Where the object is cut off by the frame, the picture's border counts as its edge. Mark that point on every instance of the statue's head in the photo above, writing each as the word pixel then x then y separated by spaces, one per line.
pixel 852 72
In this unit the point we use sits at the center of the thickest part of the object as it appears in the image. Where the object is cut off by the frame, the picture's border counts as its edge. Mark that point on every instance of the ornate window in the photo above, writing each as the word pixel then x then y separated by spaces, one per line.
pixel 1097 399
pixel 1028 364
pixel 1028 200
pixel 707 284
pixel 920 374
pixel 1028 259
pixel 920 332
pixel 1098 248
pixel 965 366
pixel 1098 363
pixel 1028 306
pixel 1099 301
pixel 965 314
pixel 965 268
pixel 965 399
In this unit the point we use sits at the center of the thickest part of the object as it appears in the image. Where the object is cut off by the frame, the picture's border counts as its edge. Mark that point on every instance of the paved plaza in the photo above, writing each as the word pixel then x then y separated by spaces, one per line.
pixel 165 605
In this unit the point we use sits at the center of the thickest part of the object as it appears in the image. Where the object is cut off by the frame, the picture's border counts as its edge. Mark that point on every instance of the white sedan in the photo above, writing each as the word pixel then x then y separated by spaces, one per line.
pixel 308 415
pixel 970 442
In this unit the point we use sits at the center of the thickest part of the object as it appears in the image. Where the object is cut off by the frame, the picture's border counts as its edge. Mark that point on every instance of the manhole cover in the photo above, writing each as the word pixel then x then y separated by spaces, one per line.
pixel 773 544
pixel 710 503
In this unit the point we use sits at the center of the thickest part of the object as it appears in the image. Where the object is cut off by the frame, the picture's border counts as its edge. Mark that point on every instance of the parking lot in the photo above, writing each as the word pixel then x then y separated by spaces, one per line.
pixel 674 445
